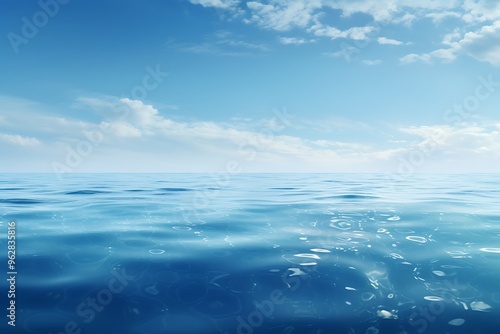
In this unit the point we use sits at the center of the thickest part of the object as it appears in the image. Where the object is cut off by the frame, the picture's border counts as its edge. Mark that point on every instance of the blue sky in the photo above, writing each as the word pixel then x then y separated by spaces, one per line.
pixel 254 86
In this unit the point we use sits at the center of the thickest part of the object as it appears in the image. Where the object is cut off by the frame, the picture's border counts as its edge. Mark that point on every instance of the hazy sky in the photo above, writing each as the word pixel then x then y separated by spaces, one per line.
pixel 229 85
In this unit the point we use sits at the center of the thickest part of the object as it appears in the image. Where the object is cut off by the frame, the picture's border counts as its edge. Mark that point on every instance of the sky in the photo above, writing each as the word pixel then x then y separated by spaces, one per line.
pixel 230 86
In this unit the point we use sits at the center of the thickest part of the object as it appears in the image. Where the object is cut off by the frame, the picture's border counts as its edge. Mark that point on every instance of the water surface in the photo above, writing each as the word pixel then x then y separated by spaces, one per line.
pixel 254 253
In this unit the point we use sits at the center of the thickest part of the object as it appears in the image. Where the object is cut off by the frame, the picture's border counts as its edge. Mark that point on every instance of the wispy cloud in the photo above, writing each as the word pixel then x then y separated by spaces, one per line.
pixel 215 49
pixel 222 43
pixel 440 16
pixel 311 16
pixel 281 15
pixel 481 10
pixel 294 40
pixel 355 33
pixel 141 130
pixel 19 140
pixel 467 138
pixel 388 41
pixel 372 62
pixel 222 4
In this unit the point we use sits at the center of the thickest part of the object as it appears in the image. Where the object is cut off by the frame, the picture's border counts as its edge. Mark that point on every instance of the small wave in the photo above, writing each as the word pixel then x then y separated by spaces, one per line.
pixel 353 196
pixel 350 196
pixel 175 189
pixel 86 192
pixel 20 201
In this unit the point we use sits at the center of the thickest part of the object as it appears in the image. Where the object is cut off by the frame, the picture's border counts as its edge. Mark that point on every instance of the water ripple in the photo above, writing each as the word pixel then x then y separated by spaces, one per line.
pixel 292 253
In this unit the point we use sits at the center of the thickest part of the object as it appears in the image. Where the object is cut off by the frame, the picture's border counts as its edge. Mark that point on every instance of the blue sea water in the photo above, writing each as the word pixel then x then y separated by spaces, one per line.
pixel 252 253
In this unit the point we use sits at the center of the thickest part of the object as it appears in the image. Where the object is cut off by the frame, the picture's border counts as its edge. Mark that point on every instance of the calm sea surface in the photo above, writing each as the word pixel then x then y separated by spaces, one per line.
pixel 252 253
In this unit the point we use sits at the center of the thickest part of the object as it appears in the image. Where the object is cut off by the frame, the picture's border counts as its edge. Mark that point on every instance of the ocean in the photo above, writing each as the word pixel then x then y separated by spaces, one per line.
pixel 250 253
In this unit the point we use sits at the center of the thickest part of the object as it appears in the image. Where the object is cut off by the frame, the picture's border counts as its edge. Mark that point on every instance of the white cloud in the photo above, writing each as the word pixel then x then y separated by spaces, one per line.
pixel 460 139
pixel 140 132
pixel 413 57
pixel 122 129
pixel 445 55
pixel 217 50
pixel 483 45
pixel 95 102
pixel 211 49
pixel 451 38
pixel 22 116
pixel 242 44
pixel 380 10
pixel 222 43
pixel 406 19
pixel 388 41
pixel 393 11
pixel 222 4
pixel 308 15
pixel 337 54
pixel 144 121
pixel 342 146
pixel 125 117
pixel 359 33
pixel 19 140
pixel 355 33
pixel 294 41
pixel 282 16
pixel 144 115
pixel 440 16
pixel 481 10
pixel 372 62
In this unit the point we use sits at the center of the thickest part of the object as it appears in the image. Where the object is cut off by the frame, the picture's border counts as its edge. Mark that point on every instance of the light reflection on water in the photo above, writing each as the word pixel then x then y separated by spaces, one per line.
pixel 260 254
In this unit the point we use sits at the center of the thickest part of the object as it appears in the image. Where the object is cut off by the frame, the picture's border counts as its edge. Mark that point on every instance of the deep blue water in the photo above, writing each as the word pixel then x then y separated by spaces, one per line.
pixel 261 253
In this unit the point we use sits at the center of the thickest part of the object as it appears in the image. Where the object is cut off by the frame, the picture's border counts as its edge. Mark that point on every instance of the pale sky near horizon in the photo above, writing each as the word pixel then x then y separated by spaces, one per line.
pixel 253 86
